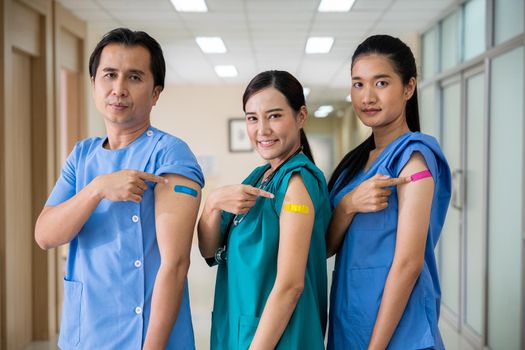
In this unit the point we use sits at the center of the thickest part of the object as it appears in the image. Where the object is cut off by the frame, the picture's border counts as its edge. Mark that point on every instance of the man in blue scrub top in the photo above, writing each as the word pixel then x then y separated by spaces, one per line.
pixel 126 204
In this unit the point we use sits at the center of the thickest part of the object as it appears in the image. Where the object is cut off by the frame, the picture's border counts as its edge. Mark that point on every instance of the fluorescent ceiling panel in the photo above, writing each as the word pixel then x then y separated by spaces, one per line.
pixel 226 71
pixel 319 44
pixel 335 5
pixel 190 5
pixel 211 44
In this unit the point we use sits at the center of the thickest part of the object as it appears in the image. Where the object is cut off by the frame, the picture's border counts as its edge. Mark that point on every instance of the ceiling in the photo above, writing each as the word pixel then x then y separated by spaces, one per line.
pixel 262 35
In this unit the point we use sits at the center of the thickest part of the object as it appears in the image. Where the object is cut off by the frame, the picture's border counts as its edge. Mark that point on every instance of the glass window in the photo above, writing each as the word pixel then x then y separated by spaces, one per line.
pixel 474 198
pixel 450 237
pixel 508 17
pixel 430 53
pixel 427 108
pixel 474 29
pixel 505 200
pixel 450 41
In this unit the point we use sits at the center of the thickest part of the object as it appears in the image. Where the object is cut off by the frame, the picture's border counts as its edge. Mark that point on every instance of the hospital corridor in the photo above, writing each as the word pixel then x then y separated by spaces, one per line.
pixel 470 59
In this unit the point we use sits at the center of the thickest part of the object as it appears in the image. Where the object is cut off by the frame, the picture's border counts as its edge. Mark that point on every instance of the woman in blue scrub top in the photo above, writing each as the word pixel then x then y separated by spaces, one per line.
pixel 268 234
pixel 385 292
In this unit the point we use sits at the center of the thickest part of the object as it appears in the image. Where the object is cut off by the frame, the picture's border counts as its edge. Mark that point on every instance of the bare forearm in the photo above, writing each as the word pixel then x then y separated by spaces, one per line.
pixel 337 230
pixel 165 305
pixel 398 288
pixel 59 224
pixel 279 308
pixel 209 231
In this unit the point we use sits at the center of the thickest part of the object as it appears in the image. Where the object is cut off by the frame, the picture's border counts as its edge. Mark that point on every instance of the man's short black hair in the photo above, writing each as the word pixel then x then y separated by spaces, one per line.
pixel 127 37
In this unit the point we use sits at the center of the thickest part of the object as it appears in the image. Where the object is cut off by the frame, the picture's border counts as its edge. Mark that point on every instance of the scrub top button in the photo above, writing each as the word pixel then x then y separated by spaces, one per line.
pixel 138 263
pixel 138 310
pixel 149 132
pixel 135 218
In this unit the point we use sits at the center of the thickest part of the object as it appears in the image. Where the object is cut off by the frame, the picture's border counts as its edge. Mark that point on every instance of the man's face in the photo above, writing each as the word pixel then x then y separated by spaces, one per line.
pixel 123 87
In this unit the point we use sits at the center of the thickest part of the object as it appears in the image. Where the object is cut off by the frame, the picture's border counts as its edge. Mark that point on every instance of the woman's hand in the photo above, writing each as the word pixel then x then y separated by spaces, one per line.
pixel 235 199
pixel 371 195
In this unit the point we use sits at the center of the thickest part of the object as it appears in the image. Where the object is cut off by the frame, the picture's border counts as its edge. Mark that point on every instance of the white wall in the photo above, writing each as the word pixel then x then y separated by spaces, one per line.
pixel 199 115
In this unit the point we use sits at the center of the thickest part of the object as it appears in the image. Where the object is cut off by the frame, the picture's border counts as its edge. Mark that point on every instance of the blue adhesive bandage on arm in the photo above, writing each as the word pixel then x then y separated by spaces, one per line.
pixel 185 190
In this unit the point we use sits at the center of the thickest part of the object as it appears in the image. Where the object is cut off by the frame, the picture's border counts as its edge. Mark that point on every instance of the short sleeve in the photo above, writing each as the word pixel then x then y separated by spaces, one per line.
pixel 398 163
pixel 177 158
pixel 65 187
pixel 310 182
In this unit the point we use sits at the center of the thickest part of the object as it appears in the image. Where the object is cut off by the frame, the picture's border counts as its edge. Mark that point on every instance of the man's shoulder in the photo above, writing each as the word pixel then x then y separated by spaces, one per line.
pixel 87 145
pixel 169 139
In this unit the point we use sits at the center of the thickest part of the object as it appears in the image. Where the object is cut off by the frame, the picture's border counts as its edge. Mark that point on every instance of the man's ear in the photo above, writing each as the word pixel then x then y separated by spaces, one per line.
pixel 93 87
pixel 156 93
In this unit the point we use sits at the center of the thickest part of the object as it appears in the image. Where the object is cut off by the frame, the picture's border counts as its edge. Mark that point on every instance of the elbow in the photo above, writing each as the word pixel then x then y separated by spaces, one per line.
pixel 411 267
pixel 291 292
pixel 178 268
pixel 41 240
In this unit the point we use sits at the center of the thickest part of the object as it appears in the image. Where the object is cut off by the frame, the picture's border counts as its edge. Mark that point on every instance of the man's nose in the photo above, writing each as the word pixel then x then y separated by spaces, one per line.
pixel 120 87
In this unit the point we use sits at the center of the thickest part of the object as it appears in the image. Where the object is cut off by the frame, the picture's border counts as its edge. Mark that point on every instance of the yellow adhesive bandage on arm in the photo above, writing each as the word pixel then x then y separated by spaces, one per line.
pixel 297 208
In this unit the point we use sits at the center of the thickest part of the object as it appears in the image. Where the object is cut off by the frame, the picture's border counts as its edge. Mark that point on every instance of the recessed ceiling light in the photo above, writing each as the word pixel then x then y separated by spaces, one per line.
pixel 335 5
pixel 190 5
pixel 323 111
pixel 211 44
pixel 306 91
pixel 226 71
pixel 319 44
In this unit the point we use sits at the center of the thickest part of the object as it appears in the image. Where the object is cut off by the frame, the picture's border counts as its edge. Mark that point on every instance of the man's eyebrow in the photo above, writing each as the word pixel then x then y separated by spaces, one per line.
pixel 132 71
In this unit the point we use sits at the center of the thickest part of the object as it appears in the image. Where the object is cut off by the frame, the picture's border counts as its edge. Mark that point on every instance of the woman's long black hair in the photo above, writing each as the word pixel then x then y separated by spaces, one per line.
pixel 404 64
pixel 286 84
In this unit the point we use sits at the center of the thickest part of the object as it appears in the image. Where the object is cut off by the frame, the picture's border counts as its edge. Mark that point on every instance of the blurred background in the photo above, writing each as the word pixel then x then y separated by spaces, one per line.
pixel 470 57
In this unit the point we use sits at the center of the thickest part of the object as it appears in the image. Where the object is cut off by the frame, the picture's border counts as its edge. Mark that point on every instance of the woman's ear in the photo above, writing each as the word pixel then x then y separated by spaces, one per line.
pixel 410 88
pixel 302 115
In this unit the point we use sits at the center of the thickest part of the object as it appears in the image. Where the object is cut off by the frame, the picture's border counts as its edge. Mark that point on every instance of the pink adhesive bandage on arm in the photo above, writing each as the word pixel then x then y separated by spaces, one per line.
pixel 421 175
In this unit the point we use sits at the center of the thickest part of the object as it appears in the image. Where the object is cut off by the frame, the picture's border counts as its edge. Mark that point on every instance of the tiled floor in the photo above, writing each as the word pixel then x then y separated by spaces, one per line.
pixel 452 340
pixel 201 284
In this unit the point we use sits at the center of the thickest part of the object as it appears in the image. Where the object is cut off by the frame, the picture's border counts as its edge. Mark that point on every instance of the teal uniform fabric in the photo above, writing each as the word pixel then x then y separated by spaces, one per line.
pixel 245 281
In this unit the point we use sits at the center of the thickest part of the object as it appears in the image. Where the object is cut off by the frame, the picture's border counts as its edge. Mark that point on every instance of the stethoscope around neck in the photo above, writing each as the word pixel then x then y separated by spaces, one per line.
pixel 221 254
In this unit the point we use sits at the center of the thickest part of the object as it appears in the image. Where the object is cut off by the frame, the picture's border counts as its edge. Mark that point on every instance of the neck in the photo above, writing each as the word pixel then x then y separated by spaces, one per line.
pixel 275 163
pixel 119 137
pixel 384 135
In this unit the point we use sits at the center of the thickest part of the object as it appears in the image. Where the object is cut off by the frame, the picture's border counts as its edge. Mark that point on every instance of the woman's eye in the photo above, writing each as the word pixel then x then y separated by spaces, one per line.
pixel 381 83
pixel 110 75
pixel 134 77
pixel 251 118
pixel 357 85
pixel 273 116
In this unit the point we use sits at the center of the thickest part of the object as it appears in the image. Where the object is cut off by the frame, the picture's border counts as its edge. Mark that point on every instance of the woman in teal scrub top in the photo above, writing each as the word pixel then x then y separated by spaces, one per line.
pixel 268 234
pixel 390 195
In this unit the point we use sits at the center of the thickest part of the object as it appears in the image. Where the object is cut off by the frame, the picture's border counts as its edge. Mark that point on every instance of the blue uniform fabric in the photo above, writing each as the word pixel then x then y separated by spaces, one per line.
pixel 245 281
pixel 364 260
pixel 114 259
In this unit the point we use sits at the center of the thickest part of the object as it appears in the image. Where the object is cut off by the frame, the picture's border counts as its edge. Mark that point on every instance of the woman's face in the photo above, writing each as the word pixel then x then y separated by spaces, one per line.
pixel 378 93
pixel 273 126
